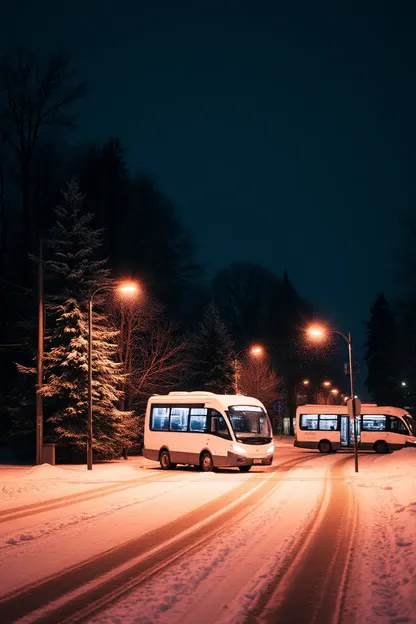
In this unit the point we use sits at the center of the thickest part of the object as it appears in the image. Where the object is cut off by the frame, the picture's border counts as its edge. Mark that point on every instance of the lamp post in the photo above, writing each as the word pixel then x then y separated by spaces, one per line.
pixel 39 360
pixel 327 385
pixel 319 332
pixel 315 386
pixel 335 393
pixel 125 288
pixel 256 351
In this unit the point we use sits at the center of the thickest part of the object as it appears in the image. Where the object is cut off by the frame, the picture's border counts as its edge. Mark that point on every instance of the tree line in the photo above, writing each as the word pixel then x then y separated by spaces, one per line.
pixel 99 222
pixel 391 351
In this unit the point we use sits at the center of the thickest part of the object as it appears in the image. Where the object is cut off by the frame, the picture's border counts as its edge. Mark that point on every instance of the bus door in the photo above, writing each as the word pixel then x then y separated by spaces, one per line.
pixel 358 420
pixel 347 430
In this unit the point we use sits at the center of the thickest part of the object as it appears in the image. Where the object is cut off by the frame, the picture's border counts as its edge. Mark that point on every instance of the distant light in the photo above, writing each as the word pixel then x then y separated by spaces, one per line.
pixel 404 384
pixel 326 384
pixel 355 396
pixel 334 390
pixel 306 382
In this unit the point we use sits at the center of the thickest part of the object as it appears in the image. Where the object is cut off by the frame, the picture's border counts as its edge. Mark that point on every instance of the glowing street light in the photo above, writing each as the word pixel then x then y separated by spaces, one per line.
pixel 255 351
pixel 306 382
pixel 320 332
pixel 125 289
pixel 316 331
pixel 326 384
pixel 128 288
pixel 404 384
pixel 335 391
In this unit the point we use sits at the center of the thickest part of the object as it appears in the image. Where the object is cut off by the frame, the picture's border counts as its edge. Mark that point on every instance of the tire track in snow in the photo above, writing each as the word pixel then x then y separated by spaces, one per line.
pixel 309 587
pixel 83 589
pixel 25 511
pixel 12 540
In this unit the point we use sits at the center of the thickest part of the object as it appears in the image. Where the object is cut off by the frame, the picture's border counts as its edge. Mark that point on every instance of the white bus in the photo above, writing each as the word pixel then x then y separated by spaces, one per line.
pixel 207 430
pixel 328 428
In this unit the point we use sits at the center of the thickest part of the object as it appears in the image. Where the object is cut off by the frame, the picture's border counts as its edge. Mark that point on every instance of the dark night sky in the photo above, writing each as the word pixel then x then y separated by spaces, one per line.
pixel 283 131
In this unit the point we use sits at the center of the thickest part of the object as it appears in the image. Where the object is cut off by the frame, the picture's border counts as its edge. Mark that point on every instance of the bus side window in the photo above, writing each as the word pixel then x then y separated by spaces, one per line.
pixel 219 426
pixel 328 422
pixel 179 418
pixel 371 422
pixel 309 422
pixel 199 420
pixel 159 420
pixel 398 426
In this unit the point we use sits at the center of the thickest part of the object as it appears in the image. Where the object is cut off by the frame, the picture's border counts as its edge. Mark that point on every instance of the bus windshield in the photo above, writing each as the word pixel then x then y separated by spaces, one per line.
pixel 411 423
pixel 250 424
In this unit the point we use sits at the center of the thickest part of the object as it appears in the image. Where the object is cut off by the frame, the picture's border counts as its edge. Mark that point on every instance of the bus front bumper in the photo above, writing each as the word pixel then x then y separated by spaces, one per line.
pixel 235 460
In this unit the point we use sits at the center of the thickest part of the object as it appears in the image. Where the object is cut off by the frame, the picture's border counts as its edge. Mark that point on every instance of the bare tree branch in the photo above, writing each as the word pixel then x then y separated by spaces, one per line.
pixel 152 354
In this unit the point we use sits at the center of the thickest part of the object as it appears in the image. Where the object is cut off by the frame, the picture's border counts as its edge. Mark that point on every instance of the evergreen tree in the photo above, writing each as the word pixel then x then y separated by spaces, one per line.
pixel 381 355
pixel 213 355
pixel 75 273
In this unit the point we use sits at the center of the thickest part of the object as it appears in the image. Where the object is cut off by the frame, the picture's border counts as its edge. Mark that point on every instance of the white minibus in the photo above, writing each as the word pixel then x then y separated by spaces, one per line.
pixel 329 428
pixel 207 430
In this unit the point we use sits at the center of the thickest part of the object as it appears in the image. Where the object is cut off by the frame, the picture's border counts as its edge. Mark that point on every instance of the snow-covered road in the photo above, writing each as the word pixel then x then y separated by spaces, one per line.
pixel 72 540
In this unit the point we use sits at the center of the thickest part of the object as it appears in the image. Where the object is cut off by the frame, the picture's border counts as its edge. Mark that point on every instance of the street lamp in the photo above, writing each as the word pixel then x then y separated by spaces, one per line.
pixel 255 351
pixel 319 332
pixel 125 289
pixel 335 393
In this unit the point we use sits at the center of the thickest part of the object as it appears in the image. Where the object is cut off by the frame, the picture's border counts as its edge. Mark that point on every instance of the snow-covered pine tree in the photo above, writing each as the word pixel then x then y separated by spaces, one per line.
pixel 74 273
pixel 213 355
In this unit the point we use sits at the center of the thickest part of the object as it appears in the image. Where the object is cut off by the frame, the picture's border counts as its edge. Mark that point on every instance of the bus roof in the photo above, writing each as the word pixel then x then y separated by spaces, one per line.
pixel 366 408
pixel 210 399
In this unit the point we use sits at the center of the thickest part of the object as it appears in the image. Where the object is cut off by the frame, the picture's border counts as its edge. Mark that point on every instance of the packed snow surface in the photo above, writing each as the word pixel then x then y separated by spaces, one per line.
pixel 119 501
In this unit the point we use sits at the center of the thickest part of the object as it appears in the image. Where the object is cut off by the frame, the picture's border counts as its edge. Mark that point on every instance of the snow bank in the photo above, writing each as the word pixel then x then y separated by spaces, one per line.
pixel 383 575
pixel 22 485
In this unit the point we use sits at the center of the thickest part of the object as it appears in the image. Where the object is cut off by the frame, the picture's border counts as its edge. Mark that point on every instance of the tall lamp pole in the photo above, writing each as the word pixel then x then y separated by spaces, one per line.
pixel 319 332
pixel 89 420
pixel 125 289
pixel 256 351
pixel 39 361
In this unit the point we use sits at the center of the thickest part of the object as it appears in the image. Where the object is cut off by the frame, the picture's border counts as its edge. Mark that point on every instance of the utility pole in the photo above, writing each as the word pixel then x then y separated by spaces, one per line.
pixel 354 403
pixel 89 419
pixel 39 360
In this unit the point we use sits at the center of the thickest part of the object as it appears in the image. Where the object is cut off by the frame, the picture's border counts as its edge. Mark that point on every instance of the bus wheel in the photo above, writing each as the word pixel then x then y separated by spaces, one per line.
pixel 165 462
pixel 244 468
pixel 325 446
pixel 206 463
pixel 381 447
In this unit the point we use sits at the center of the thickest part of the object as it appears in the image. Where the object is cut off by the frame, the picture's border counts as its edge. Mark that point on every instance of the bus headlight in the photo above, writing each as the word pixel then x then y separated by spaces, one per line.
pixel 270 449
pixel 238 449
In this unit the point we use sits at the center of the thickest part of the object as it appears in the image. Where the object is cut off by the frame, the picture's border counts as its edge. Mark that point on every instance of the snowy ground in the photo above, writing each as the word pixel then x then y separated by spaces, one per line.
pixel 120 501
pixel 383 572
